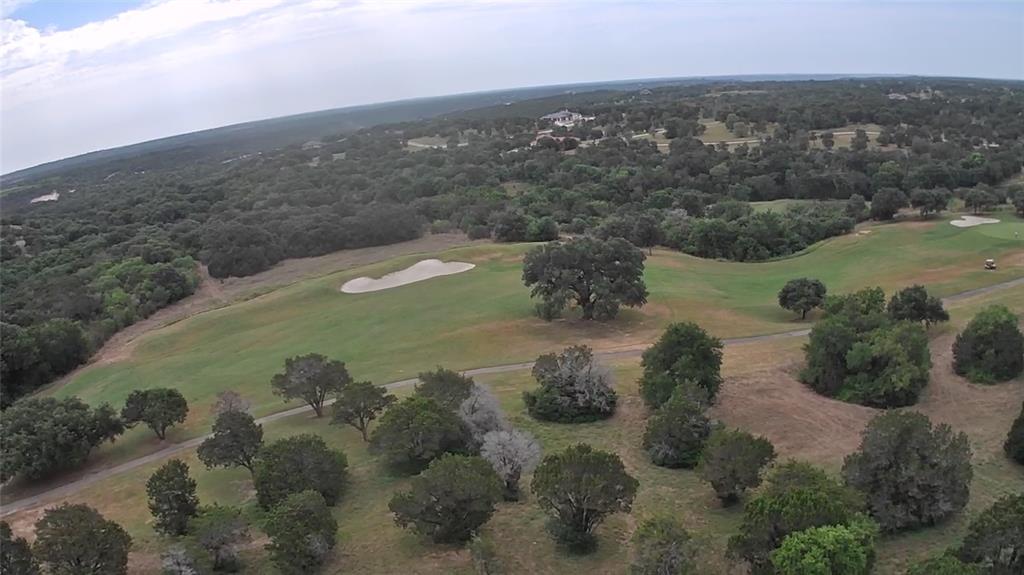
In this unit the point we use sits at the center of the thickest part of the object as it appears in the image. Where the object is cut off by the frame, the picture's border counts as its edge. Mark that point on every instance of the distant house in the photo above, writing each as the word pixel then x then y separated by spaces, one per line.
pixel 897 96
pixel 566 118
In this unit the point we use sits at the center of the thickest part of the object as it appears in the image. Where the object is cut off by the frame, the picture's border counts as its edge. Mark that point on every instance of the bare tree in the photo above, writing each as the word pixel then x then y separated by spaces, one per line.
pixel 511 453
pixel 574 387
pixel 481 412
pixel 230 400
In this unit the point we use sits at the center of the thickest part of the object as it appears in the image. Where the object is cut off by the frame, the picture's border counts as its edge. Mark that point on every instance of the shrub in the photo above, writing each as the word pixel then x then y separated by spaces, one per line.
pixel 995 539
pixel 990 348
pixel 661 546
pixel 732 462
pixel 220 531
pixel 574 388
pixel 685 352
pixel 450 500
pixel 1014 445
pixel 511 453
pixel 828 550
pixel 299 463
pixel 578 488
pixel 943 565
pixel 302 533
pixel 415 431
pixel 911 473
pixel 676 433
pixel 798 496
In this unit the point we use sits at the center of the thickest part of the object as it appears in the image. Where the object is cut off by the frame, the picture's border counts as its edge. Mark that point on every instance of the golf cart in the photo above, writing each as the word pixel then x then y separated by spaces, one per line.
pixel 990 264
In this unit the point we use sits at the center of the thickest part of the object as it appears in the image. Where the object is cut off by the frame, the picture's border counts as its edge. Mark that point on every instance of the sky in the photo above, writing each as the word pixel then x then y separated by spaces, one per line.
pixel 77 76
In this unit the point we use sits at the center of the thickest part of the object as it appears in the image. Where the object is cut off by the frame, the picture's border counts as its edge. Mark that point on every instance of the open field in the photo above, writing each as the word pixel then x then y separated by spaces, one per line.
pixel 484 317
pixel 760 394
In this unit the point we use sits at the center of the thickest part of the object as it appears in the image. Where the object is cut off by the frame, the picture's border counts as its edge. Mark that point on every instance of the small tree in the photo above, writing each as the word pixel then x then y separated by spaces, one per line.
pixel 676 433
pixel 990 348
pixel 158 408
pixel 415 431
pixel 299 463
pixel 798 496
pixel 481 414
pixel 574 388
pixel 77 540
pixel 833 549
pixel 995 539
pixel 15 553
pixel 236 441
pixel 856 207
pixel 311 378
pixel 886 203
pixel 172 497
pixel 732 462
pixel 448 388
pixel 220 531
pixel 44 435
pixel 511 453
pixel 1014 445
pixel 359 403
pixel 944 565
pixel 578 488
pixel 302 533
pixel 661 546
pixel 450 500
pixel 802 295
pixel 685 352
pixel 930 201
pixel 230 400
pixel 915 304
pixel 598 275
pixel 911 474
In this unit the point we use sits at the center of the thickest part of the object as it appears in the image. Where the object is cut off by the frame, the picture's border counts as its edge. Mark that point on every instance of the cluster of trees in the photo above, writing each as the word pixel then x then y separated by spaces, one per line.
pixel 126 241
pixel 45 435
pixel 867 352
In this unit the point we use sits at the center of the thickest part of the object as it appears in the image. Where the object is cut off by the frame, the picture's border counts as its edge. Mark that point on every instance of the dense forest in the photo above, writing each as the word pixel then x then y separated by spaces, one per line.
pixel 124 238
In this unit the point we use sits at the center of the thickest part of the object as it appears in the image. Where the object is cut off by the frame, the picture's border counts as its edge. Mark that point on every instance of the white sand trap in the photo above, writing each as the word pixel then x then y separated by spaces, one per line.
pixel 971 221
pixel 419 271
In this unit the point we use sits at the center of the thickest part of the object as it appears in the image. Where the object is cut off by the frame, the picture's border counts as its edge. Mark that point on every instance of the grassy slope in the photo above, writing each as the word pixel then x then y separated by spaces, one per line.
pixel 484 317
pixel 371 543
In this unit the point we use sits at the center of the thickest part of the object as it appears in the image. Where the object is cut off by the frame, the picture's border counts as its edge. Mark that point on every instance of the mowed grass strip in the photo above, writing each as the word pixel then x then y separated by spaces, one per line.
pixel 485 316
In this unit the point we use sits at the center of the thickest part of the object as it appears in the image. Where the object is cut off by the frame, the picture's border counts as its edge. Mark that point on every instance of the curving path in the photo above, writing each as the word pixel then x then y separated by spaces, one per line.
pixel 631 352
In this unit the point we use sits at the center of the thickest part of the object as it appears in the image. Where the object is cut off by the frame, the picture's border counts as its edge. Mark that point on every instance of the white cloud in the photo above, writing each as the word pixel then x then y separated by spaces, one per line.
pixel 180 65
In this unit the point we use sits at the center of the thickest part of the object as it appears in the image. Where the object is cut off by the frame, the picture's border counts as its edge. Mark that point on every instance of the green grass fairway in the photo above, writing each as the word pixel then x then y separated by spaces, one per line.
pixel 484 317
pixel 370 542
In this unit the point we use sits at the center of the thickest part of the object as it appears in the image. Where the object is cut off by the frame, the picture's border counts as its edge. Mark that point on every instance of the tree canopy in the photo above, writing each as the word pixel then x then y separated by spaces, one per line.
pixel 311 378
pixel 359 403
pixel 911 473
pixel 415 431
pixel 597 276
pixel 574 387
pixel 172 498
pixel 683 353
pixel 236 441
pixel 299 463
pixel 991 348
pixel 77 540
pixel 450 500
pixel 802 295
pixel 302 533
pixel 578 488
pixel 732 462
pixel 158 408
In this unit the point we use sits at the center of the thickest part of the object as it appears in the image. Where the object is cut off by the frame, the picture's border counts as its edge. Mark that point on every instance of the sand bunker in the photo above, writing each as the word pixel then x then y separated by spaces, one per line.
pixel 417 272
pixel 971 221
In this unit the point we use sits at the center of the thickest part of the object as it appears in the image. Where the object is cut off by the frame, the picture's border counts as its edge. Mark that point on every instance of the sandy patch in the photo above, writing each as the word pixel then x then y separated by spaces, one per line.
pixel 419 271
pixel 971 221
pixel 45 198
